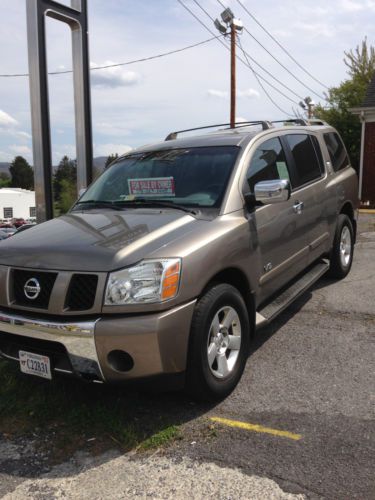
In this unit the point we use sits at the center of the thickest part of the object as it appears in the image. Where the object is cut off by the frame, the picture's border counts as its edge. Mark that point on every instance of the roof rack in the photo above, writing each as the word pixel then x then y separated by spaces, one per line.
pixel 265 125
pixel 302 121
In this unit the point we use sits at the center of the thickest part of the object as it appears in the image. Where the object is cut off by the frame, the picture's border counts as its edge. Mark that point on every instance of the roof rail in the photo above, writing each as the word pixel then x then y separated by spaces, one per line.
pixel 265 125
pixel 302 121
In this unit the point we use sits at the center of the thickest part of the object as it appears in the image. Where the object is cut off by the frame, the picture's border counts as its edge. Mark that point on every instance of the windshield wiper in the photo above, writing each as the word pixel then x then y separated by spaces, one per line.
pixel 99 204
pixel 157 203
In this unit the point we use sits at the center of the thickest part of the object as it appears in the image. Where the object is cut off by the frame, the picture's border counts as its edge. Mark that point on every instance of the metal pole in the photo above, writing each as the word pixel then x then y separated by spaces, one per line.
pixel 40 120
pixel 232 75
pixel 76 18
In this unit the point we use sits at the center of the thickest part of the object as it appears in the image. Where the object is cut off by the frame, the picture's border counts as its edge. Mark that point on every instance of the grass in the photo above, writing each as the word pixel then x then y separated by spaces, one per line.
pixel 76 415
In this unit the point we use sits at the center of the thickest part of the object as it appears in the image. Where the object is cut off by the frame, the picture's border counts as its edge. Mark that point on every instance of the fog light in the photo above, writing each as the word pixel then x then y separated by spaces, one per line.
pixel 120 361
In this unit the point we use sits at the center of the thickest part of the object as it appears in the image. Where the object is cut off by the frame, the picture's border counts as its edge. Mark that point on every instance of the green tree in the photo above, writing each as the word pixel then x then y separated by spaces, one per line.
pixel 68 196
pixel 349 94
pixel 110 159
pixel 65 184
pixel 22 175
pixel 4 180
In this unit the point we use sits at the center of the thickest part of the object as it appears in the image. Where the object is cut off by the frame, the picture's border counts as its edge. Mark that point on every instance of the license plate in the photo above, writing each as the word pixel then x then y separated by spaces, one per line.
pixel 35 364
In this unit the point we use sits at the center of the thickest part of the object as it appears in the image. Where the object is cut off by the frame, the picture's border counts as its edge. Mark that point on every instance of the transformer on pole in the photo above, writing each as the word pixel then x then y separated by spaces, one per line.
pixel 75 17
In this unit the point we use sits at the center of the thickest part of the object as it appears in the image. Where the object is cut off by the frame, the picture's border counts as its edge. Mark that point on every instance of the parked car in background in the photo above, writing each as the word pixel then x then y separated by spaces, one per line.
pixel 177 253
pixel 9 229
pixel 17 222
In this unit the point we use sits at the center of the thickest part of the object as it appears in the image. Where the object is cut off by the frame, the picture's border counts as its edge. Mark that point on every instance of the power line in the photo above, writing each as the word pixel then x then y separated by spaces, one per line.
pixel 260 83
pixel 258 64
pixel 278 62
pixel 215 37
pixel 240 59
pixel 281 46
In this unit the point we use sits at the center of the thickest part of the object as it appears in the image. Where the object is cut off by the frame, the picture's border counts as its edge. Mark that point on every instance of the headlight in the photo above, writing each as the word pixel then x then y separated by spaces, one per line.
pixel 149 281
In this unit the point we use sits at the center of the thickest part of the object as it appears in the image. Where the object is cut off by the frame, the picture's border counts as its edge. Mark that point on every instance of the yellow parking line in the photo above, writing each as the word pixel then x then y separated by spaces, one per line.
pixel 256 428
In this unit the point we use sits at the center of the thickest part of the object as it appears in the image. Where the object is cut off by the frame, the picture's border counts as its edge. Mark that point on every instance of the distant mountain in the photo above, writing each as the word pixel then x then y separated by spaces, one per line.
pixel 4 167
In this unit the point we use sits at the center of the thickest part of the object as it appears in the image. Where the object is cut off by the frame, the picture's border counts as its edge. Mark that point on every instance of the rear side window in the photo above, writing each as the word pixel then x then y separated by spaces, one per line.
pixel 305 158
pixel 336 150
pixel 267 163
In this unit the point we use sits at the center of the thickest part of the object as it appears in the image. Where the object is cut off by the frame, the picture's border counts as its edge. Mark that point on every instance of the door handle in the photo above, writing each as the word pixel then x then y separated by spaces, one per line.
pixel 298 207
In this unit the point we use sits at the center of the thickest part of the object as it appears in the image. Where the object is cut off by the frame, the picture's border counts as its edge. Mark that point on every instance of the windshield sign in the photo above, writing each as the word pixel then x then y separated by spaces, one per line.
pixel 152 186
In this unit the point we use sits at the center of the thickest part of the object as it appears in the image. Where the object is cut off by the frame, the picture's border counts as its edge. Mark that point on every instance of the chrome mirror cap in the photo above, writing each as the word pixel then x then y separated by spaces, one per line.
pixel 274 191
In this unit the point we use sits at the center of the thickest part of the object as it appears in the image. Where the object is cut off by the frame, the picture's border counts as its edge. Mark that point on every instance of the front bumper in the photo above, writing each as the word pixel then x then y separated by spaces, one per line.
pixel 156 343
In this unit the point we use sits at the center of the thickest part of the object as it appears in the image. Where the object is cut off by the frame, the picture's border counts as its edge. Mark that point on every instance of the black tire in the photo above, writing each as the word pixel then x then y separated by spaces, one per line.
pixel 201 383
pixel 338 267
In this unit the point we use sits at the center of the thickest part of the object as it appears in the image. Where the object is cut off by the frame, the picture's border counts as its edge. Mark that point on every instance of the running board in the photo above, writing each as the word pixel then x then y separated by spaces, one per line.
pixel 267 313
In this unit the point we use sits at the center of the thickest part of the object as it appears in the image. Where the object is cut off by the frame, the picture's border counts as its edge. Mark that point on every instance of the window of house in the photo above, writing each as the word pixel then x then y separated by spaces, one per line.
pixel 32 211
pixel 267 163
pixel 306 161
pixel 8 212
pixel 336 150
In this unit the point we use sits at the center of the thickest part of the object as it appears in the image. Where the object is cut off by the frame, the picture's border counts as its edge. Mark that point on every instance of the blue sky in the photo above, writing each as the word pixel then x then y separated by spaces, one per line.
pixel 141 103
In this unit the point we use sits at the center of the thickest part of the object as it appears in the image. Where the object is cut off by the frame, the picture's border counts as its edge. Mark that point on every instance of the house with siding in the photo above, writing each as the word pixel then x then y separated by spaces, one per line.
pixel 366 113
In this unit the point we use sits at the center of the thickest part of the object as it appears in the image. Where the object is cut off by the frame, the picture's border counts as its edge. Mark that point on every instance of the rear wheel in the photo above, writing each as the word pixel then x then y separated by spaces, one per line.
pixel 343 247
pixel 219 343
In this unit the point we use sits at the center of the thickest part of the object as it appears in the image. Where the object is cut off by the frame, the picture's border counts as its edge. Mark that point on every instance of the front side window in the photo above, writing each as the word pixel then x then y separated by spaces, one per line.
pixel 267 163
pixel 191 176
pixel 305 158
pixel 336 150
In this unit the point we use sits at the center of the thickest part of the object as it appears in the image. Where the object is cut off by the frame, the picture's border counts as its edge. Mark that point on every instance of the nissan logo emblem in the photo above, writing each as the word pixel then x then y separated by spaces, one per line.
pixel 32 289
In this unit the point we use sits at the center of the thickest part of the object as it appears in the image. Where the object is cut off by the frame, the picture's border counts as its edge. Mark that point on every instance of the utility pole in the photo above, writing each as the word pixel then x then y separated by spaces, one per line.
pixel 230 26
pixel 232 76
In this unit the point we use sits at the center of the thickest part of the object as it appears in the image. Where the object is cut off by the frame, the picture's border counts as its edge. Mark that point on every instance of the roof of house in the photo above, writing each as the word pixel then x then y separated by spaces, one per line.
pixel 369 101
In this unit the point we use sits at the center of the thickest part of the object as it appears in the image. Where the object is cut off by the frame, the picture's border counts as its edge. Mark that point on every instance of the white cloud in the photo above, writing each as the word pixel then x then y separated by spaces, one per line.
pixel 6 120
pixel 112 129
pixel 112 77
pixel 250 93
pixel 20 149
pixel 23 135
pixel 241 119
pixel 317 29
pixel 352 6
pixel 222 94
pixel 108 149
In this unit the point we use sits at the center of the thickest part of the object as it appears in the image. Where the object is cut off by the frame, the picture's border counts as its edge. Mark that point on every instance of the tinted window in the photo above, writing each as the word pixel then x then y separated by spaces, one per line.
pixel 336 150
pixel 305 158
pixel 267 163
pixel 189 176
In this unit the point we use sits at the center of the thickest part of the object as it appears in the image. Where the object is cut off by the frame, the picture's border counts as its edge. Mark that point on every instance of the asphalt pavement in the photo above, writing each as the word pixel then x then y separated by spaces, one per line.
pixel 300 423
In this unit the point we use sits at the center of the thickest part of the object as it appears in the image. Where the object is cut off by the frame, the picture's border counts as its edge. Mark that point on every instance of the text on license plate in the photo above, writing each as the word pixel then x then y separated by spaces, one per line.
pixel 35 364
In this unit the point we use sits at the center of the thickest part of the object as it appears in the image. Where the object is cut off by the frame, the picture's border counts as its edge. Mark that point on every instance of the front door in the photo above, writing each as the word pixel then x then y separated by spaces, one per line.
pixel 280 227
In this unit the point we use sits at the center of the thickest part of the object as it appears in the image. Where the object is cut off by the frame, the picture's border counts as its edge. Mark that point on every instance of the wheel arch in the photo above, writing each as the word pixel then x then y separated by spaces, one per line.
pixel 237 278
pixel 348 210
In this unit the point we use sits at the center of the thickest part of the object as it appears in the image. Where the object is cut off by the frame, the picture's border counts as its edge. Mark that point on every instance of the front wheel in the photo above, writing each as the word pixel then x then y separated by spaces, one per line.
pixel 343 248
pixel 219 343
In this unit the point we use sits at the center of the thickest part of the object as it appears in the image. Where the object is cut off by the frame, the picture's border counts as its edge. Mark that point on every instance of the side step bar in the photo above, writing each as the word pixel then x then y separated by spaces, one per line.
pixel 267 313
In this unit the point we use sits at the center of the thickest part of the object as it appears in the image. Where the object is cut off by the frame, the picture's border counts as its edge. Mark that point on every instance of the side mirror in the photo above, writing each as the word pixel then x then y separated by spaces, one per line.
pixel 275 191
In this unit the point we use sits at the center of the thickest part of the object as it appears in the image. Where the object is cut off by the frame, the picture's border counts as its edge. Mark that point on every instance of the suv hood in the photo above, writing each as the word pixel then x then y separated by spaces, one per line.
pixel 96 241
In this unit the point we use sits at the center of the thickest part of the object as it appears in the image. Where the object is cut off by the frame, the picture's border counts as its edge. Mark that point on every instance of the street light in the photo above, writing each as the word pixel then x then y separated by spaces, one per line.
pixel 230 26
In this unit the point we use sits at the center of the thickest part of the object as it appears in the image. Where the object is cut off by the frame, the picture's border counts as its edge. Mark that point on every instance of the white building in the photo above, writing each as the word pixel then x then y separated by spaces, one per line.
pixel 17 202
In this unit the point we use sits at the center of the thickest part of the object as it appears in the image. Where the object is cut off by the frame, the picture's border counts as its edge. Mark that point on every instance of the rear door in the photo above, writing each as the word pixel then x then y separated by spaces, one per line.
pixel 309 190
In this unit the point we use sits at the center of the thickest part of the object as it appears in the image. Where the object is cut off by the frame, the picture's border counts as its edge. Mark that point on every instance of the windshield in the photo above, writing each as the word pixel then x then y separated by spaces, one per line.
pixel 189 177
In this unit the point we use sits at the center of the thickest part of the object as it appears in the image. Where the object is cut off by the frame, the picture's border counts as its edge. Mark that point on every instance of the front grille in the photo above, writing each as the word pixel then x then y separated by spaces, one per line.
pixel 46 281
pixel 81 293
